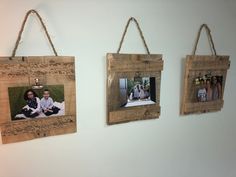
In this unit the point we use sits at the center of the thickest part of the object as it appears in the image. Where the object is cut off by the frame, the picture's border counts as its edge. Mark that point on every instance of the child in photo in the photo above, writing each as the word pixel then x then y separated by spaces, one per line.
pixel 47 104
pixel 32 109
pixel 202 93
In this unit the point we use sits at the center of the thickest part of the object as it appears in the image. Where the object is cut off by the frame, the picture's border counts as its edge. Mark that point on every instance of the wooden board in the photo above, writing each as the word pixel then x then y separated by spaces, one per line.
pixel 199 66
pixel 129 66
pixel 21 72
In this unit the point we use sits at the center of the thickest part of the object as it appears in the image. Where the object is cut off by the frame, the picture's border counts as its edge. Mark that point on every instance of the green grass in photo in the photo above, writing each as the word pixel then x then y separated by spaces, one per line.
pixel 16 96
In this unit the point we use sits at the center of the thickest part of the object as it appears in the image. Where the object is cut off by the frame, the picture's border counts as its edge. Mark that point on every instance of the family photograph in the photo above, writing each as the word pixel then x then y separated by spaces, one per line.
pixel 26 102
pixel 209 88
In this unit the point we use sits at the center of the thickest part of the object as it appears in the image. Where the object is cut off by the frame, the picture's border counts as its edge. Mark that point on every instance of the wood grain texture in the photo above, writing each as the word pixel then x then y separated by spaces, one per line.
pixel 23 130
pixel 196 65
pixel 127 63
pixel 128 66
pixel 135 113
pixel 22 71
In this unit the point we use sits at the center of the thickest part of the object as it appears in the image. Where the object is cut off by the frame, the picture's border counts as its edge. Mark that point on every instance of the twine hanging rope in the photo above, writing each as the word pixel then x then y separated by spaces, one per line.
pixel 140 32
pixel 22 29
pixel 208 32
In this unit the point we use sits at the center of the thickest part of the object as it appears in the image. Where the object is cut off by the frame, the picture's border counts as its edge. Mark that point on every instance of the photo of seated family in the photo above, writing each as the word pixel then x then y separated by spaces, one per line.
pixel 209 88
pixel 26 102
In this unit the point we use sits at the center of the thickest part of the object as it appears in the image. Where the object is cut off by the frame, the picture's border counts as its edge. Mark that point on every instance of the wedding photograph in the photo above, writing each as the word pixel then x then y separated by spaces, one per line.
pixel 137 91
pixel 31 103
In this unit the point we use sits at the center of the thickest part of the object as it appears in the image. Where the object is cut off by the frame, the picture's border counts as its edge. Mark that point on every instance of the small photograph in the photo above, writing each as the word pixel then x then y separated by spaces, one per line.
pixel 137 91
pixel 31 102
pixel 208 87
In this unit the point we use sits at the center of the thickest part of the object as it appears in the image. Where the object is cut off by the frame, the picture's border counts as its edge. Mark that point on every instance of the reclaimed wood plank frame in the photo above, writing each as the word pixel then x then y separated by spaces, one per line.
pixel 129 66
pixel 200 65
pixel 22 71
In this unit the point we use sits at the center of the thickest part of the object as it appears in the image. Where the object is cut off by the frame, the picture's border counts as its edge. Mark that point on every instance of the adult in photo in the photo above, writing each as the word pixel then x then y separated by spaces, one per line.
pixel 141 93
pixel 136 92
pixel 32 109
pixel 215 92
pixel 219 86
pixel 209 90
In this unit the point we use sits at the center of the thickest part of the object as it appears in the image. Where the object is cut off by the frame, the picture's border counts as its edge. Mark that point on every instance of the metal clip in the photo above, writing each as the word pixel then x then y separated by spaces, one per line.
pixel 37 84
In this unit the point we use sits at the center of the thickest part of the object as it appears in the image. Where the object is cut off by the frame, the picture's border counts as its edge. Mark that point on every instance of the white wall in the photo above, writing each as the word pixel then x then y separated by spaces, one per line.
pixel 172 146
